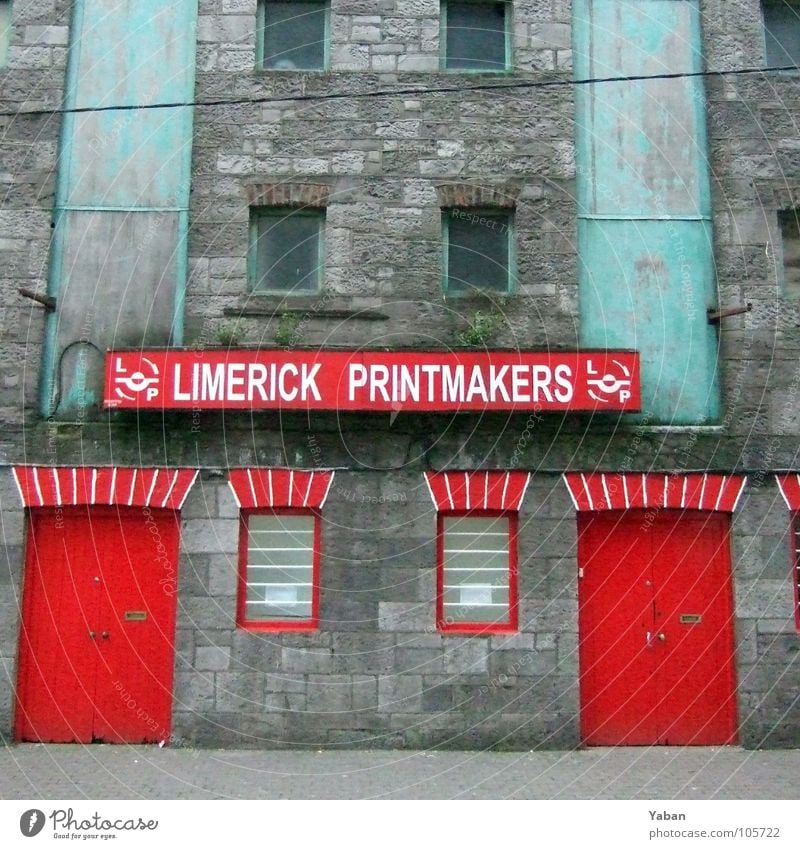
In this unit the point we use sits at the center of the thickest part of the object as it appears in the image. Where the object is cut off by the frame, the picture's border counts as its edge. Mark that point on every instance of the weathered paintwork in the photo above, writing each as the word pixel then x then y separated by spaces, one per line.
pixel 646 251
pixel 119 248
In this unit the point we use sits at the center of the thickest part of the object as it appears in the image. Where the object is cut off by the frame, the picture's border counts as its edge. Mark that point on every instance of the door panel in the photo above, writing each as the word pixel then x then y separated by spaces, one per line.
pixel 696 675
pixel 88 671
pixel 655 619
pixel 134 681
pixel 57 656
pixel 615 614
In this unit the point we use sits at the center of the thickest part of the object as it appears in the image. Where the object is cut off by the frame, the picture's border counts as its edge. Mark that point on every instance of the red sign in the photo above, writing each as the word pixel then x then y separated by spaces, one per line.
pixel 436 381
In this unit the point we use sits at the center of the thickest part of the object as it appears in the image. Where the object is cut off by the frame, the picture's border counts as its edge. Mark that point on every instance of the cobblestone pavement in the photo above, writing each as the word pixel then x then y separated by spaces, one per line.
pixel 128 772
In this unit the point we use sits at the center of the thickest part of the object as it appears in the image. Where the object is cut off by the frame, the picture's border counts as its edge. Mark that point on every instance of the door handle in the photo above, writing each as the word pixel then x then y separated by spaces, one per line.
pixel 91 635
pixel 104 635
pixel 662 637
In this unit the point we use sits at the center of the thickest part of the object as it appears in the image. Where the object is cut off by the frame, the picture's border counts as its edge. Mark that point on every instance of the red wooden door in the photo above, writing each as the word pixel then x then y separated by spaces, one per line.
pixel 96 648
pixel 656 638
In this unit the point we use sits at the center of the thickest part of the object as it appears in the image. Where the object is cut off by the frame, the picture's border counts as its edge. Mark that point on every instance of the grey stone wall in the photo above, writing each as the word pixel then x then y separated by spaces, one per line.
pixel 11 569
pixel 383 158
pixel 33 79
pixel 377 673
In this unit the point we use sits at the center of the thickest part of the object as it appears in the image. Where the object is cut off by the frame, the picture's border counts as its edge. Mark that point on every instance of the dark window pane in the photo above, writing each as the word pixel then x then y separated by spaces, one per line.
pixel 287 253
pixel 294 35
pixel 782 25
pixel 477 251
pixel 476 36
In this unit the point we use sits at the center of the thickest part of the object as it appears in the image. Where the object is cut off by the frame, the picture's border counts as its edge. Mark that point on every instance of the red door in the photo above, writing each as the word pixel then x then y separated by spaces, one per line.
pixel 96 644
pixel 656 629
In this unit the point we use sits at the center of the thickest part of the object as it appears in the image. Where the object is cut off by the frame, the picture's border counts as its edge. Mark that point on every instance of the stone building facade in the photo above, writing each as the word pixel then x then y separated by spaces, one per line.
pixel 386 141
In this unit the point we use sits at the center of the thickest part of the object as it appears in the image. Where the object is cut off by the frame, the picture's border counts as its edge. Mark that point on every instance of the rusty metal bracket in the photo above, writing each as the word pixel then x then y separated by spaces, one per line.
pixel 715 316
pixel 45 300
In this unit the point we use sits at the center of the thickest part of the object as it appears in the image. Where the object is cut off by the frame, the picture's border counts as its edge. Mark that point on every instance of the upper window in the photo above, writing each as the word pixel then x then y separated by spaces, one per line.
pixel 293 35
pixel 475 35
pixel 279 568
pixel 782 32
pixel 477 251
pixel 477 572
pixel 5 30
pixel 789 221
pixel 286 248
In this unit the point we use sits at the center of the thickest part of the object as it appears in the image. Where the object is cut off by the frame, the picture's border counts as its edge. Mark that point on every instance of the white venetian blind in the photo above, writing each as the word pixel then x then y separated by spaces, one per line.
pixel 476 569
pixel 280 557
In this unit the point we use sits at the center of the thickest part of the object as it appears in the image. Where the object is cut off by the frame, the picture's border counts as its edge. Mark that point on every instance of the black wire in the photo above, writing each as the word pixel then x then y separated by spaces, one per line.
pixel 454 89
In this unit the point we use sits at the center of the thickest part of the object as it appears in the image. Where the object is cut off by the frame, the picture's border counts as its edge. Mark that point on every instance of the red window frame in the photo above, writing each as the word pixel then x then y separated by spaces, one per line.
pixel 311 624
pixel 511 625
pixel 794 543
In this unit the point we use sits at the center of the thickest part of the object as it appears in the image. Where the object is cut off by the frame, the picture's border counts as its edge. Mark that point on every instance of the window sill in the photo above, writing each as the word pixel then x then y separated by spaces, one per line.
pixel 287 627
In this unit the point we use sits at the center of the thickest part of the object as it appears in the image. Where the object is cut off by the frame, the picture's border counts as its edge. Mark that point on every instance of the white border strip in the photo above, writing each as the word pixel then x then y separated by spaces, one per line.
pixel 524 490
pixel 19 485
pixel 171 487
pixel 327 490
pixel 190 485
pixel 587 491
pixel 57 485
pixel 739 494
pixel 783 492
pixel 569 490
pixel 430 488
pixel 38 488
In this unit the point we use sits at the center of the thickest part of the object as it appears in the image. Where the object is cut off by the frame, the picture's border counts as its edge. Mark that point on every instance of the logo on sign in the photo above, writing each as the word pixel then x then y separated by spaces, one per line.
pixel 138 382
pixel 609 384
pixel 31 822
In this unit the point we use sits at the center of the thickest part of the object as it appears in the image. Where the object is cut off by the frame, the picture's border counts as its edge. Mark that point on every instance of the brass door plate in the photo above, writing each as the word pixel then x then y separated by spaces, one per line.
pixel 691 618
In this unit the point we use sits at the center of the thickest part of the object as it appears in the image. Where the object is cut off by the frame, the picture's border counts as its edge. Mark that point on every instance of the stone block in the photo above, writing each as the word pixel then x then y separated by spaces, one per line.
pixel 212 658
pixel 400 693
pixel 313 660
pixel 329 694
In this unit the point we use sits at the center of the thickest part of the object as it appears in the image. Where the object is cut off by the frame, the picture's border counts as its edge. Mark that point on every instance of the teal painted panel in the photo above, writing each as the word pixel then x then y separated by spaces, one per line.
pixel 641 145
pixel 119 264
pixel 648 285
pixel 128 159
pixel 130 53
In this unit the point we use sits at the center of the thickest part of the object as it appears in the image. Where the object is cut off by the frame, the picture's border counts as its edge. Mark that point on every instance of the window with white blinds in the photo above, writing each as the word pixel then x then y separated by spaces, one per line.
pixel 279 572
pixel 476 583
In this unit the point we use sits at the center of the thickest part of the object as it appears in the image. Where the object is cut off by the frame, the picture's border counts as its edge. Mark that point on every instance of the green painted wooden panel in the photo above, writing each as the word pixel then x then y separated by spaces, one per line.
pixel 131 53
pixel 646 285
pixel 642 145
pixel 645 243
pixel 118 269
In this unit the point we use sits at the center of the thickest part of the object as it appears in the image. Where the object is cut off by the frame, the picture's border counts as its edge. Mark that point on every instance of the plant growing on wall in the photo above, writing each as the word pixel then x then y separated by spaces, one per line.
pixel 230 332
pixel 286 333
pixel 482 328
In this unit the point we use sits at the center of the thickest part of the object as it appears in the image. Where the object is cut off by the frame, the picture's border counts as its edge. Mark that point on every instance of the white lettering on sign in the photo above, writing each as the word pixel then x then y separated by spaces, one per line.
pixel 371 380
pixel 245 382
pixel 459 384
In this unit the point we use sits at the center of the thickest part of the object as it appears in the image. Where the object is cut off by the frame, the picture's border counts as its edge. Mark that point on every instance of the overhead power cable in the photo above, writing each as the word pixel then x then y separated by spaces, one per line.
pixel 395 92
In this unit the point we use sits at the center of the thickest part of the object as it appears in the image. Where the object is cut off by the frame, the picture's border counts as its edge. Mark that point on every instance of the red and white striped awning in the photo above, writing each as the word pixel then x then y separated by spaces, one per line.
pixel 280 487
pixel 606 491
pixel 789 485
pixel 61 486
pixel 477 490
